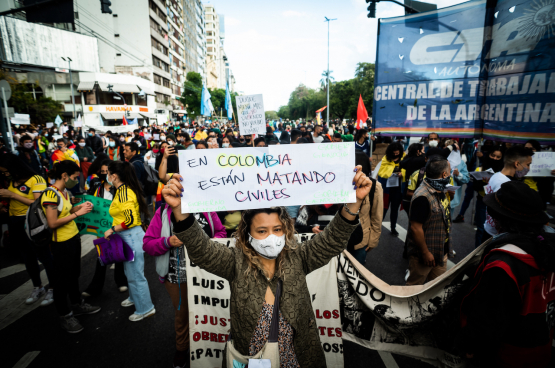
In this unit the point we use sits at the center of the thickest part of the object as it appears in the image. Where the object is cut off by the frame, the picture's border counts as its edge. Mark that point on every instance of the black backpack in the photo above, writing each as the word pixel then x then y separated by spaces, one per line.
pixel 36 225
pixel 151 181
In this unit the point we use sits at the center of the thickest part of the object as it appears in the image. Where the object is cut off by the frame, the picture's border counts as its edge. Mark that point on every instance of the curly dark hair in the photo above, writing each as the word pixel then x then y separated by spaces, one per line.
pixel 395 146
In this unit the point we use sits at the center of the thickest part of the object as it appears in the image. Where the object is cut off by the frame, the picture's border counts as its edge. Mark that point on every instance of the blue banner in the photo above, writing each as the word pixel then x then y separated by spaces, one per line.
pixel 478 68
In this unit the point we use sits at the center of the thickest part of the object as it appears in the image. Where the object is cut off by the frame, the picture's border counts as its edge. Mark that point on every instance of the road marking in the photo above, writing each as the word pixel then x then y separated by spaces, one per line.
pixel 388 359
pixel 13 307
pixel 12 270
pixel 27 359
pixel 403 236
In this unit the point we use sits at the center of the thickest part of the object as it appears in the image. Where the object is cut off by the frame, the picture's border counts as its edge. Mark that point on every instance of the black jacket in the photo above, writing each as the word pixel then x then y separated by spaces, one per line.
pixel 138 163
pixel 95 143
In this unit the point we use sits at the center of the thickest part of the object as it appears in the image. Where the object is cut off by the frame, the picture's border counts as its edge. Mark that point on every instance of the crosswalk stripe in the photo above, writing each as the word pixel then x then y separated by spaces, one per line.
pixel 8 271
pixel 13 307
pixel 27 359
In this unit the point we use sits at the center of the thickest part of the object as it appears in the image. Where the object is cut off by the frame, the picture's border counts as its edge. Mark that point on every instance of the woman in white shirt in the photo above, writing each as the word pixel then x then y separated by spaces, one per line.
pixel 150 156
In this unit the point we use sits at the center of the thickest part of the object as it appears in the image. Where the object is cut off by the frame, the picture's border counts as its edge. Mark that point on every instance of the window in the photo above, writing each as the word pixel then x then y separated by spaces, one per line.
pixel 157 45
pixel 157 10
pixel 160 64
pixel 157 79
pixel 166 82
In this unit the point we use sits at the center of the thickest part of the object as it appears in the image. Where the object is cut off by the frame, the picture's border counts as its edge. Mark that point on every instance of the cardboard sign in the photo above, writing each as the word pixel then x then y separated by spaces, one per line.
pixel 542 164
pixel 261 177
pixel 250 111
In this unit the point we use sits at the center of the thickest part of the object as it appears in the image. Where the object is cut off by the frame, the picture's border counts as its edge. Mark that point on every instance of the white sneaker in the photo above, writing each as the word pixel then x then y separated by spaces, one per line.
pixel 127 303
pixel 48 298
pixel 138 317
pixel 35 295
pixel 84 294
pixel 122 289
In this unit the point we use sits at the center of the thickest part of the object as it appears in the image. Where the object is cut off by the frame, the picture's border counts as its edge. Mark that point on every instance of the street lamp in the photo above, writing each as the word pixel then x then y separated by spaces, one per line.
pixel 71 83
pixel 328 76
pixel 110 87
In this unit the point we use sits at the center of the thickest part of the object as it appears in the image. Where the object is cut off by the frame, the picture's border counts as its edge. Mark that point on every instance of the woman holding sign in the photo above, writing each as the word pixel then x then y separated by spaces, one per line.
pixel 126 209
pixel 266 255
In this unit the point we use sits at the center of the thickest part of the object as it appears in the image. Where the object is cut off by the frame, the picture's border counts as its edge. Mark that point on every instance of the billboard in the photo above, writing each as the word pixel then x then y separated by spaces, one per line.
pixel 475 68
pixel 34 44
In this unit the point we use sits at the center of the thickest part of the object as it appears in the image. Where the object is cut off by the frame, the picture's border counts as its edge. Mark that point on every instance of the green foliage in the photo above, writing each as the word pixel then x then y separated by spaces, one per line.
pixel 272 115
pixel 192 94
pixel 41 110
pixel 344 95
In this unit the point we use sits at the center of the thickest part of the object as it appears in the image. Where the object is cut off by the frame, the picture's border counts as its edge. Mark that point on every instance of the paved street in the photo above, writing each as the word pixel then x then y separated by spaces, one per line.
pixel 110 340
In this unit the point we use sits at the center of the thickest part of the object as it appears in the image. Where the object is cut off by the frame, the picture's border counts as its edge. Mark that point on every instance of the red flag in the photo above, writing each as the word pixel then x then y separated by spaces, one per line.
pixel 362 114
pixel 124 121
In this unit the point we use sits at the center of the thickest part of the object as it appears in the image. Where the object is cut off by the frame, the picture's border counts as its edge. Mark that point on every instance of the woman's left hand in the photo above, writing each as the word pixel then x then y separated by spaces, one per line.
pixel 107 233
pixel 362 183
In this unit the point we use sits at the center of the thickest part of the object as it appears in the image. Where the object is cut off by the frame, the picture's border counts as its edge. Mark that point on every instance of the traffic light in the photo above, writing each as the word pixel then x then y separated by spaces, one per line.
pixel 105 6
pixel 372 8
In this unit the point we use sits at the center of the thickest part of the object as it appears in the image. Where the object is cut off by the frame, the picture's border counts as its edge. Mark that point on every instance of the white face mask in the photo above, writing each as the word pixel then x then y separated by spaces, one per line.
pixel 162 137
pixel 433 144
pixel 82 144
pixel 225 145
pixel 270 247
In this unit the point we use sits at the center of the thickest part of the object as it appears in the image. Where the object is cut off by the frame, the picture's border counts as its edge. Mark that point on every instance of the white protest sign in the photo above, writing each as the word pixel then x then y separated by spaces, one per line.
pixel 156 137
pixel 454 159
pixel 261 177
pixel 250 111
pixel 21 119
pixel 49 125
pixel 542 164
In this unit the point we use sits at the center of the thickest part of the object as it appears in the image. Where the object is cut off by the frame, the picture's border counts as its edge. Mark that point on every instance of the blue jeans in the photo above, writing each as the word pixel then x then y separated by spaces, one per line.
pixel 139 293
pixel 480 219
pixel 360 255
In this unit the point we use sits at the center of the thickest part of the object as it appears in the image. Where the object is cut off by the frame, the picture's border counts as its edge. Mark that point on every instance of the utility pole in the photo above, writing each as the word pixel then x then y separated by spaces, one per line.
pixel 328 76
pixel 71 83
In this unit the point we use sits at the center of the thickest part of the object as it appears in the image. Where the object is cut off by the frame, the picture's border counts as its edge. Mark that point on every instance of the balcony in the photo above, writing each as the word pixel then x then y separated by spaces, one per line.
pixel 160 55
pixel 158 20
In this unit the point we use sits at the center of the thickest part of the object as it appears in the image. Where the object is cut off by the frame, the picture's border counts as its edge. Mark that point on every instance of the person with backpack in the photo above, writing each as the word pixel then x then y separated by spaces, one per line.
pixel 170 259
pixel 106 191
pixel 126 209
pixel 508 316
pixel 131 154
pixel 25 186
pixel 65 244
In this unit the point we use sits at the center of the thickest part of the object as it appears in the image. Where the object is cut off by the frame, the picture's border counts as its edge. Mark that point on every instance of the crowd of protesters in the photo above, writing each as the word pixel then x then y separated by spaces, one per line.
pixel 138 172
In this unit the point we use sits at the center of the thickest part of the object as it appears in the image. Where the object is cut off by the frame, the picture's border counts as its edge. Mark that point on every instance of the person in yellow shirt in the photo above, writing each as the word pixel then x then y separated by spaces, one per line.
pixel 66 244
pixel 388 172
pixel 200 135
pixel 25 186
pixel 126 210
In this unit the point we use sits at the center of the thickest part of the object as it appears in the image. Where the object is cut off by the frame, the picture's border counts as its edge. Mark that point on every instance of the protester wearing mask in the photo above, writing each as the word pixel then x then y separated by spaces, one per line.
pixel 131 153
pixel 106 191
pixel 150 156
pixel 200 135
pixel 429 236
pixel 267 257
pixel 507 317
pixel 126 210
pixel 26 151
pixel 493 161
pixel 390 167
pixel 170 138
pixel 201 145
pixel 171 259
pixel 25 186
pixel 137 138
pixel 114 150
pixel 361 142
pixel 433 141
pixel 516 166
pixel 63 153
pixel 94 142
pixel 226 142
pixel 66 244
pixel 187 141
pixel 84 153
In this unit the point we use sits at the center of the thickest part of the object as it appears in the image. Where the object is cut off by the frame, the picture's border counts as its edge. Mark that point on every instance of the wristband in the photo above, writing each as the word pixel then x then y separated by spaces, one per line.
pixel 349 211
pixel 113 229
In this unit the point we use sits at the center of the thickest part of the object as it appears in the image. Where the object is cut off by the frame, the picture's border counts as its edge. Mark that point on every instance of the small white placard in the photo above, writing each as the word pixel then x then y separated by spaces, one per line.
pixel 250 111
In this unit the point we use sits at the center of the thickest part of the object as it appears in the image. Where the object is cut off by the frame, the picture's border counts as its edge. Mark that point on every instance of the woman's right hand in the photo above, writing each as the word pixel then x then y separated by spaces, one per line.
pixel 83 210
pixel 168 152
pixel 172 192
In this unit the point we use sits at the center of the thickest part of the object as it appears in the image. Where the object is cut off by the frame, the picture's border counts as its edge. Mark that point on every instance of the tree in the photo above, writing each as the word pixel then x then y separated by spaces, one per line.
pixel 192 93
pixel 283 112
pixel 324 80
pixel 217 96
pixel 41 110
pixel 364 84
pixel 342 99
pixel 271 115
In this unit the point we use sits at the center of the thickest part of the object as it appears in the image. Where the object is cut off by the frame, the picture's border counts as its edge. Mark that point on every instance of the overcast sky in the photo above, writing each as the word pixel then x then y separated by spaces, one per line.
pixel 273 46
